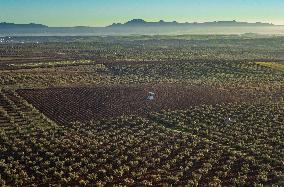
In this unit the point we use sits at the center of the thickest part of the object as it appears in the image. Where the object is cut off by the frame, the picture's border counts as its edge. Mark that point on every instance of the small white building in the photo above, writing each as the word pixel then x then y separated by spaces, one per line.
pixel 229 121
pixel 151 96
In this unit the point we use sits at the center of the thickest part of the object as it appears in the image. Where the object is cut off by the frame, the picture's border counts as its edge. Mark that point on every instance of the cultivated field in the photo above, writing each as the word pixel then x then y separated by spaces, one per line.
pixel 65 105
pixel 74 111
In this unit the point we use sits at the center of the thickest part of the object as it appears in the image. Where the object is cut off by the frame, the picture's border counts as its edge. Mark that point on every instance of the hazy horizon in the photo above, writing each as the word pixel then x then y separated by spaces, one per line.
pixel 98 13
pixel 148 21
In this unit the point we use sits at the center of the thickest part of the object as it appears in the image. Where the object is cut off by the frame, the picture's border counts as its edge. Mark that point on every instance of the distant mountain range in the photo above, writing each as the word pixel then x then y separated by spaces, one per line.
pixel 142 27
pixel 143 23
pixel 5 25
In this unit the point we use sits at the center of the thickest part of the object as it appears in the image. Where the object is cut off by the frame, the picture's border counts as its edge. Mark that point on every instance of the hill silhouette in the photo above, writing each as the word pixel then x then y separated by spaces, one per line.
pixel 143 23
pixel 5 25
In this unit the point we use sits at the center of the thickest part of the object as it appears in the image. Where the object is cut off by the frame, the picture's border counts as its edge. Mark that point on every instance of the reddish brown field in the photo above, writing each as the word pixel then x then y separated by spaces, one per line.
pixel 66 105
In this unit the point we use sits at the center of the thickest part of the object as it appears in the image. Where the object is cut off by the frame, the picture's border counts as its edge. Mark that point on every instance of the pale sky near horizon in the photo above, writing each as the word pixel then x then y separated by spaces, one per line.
pixel 106 12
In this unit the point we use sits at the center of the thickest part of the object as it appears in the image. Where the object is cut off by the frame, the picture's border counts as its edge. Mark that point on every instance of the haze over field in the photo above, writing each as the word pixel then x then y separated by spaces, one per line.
pixel 142 27
pixel 277 30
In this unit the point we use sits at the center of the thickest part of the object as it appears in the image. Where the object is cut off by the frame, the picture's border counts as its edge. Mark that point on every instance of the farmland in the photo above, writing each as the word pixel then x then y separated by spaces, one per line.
pixel 74 111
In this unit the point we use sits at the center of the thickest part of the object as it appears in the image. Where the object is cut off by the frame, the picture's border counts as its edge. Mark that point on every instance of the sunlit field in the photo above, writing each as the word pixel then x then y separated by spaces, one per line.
pixel 186 110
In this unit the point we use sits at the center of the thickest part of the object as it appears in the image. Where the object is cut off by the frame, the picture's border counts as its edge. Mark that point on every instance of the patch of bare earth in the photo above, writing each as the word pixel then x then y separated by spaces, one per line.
pixel 65 105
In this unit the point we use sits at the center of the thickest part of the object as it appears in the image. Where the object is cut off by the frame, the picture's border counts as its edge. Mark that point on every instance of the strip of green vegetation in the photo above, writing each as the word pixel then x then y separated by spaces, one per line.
pixel 273 65
pixel 51 64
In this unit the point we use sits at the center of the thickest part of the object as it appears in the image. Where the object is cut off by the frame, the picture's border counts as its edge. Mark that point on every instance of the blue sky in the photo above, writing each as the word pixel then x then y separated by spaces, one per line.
pixel 105 12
